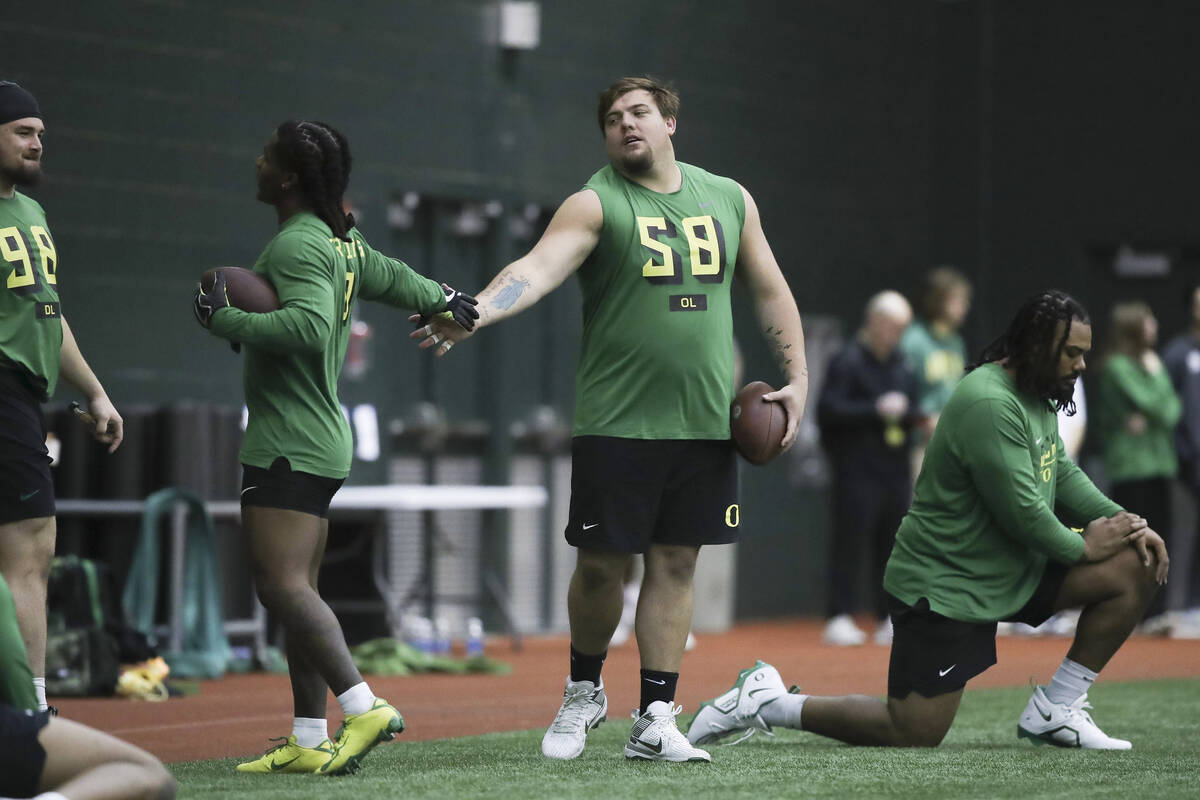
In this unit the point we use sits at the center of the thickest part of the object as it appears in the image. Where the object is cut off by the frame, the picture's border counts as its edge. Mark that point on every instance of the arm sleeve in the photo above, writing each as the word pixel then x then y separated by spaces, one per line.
pixel 1151 395
pixel 394 283
pixel 1077 496
pixel 997 454
pixel 838 407
pixel 304 279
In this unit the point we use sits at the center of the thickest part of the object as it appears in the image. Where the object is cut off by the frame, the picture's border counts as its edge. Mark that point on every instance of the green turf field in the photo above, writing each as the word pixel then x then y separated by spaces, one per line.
pixel 981 757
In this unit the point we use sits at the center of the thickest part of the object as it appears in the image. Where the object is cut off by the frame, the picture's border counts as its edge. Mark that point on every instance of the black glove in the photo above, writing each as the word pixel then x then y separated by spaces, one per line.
pixel 205 304
pixel 461 306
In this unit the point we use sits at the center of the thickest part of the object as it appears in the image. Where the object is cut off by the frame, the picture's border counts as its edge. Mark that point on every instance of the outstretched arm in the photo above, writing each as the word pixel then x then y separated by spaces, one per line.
pixel 778 316
pixel 110 428
pixel 570 237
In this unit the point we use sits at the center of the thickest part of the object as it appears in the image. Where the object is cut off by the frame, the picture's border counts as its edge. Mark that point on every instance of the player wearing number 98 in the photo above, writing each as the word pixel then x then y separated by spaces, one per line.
pixel 656 243
pixel 36 347
pixel 297 447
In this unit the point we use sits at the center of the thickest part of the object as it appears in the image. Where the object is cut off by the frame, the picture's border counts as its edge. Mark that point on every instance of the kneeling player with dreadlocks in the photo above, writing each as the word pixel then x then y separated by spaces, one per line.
pixel 297 447
pixel 981 543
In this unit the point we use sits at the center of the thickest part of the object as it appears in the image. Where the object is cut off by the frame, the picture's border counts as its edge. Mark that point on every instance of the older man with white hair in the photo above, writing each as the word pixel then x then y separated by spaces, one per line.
pixel 866 414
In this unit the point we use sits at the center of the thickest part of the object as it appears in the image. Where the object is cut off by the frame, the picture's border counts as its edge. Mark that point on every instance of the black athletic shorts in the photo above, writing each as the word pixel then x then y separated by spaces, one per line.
pixel 627 494
pixel 934 655
pixel 22 756
pixel 282 487
pixel 26 488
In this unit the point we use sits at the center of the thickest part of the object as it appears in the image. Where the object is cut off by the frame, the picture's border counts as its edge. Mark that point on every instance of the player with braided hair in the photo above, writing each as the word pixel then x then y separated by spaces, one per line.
pixel 297 449
pixel 981 543
pixel 322 159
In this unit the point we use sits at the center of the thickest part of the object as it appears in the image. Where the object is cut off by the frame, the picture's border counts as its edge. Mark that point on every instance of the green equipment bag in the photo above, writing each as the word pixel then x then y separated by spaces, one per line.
pixel 82 654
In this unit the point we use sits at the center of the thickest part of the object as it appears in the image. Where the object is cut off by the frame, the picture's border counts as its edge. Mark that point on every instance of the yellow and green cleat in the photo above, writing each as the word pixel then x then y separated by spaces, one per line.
pixel 291 757
pixel 358 736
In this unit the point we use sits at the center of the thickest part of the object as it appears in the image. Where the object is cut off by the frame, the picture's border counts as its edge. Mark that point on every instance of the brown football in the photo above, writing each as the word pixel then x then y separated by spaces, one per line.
pixel 245 288
pixel 757 426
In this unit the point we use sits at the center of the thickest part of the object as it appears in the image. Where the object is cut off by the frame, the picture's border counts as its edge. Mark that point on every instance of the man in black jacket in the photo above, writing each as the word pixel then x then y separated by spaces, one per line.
pixel 866 414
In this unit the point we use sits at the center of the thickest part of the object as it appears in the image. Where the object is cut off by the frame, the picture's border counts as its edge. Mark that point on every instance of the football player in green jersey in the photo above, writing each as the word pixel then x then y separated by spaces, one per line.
pixel 36 347
pixel 655 243
pixel 297 448
pixel 981 543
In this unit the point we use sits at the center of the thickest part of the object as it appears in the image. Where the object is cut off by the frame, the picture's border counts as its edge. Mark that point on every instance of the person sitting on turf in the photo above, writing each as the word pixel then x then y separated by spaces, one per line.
pixel 60 759
pixel 980 544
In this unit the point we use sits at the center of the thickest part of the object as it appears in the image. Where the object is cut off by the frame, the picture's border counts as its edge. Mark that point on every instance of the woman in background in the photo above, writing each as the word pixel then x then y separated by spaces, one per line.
pixel 1137 411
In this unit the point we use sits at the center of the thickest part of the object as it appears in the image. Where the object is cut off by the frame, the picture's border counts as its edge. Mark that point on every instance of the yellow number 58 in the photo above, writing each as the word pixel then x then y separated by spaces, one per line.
pixel 706 249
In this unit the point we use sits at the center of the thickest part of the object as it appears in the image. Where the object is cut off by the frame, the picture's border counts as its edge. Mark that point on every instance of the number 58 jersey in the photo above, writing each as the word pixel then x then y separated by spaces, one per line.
pixel 30 314
pixel 657 350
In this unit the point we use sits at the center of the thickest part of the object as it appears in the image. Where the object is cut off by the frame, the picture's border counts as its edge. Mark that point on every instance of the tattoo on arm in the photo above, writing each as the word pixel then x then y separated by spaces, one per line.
pixel 779 348
pixel 507 296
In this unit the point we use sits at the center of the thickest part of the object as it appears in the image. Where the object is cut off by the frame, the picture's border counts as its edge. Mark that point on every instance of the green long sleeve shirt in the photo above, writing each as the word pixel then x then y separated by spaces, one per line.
pixel 293 356
pixel 983 520
pixel 1127 388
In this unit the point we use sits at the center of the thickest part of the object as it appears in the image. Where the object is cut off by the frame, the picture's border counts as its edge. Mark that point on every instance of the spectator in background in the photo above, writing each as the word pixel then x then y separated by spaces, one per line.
pixel 935 349
pixel 866 414
pixel 1182 361
pixel 1137 409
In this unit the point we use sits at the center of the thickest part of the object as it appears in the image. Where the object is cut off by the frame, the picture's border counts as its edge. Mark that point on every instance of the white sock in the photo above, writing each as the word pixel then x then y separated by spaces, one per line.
pixel 309 732
pixel 50 796
pixel 1069 683
pixel 39 688
pixel 784 711
pixel 358 699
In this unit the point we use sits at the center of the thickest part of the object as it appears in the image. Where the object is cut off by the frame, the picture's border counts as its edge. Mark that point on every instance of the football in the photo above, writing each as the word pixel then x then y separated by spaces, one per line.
pixel 245 288
pixel 757 426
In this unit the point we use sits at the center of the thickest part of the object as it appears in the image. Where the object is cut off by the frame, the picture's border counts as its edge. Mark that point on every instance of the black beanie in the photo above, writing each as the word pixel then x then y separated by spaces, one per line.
pixel 16 103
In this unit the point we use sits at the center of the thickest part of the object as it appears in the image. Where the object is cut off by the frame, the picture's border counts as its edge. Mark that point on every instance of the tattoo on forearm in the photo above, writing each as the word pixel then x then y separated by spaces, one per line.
pixel 779 347
pixel 507 296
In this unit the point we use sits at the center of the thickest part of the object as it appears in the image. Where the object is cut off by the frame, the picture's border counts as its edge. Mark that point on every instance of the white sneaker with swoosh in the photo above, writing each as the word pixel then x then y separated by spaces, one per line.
pixel 1064 725
pixel 584 706
pixel 655 737
pixel 736 711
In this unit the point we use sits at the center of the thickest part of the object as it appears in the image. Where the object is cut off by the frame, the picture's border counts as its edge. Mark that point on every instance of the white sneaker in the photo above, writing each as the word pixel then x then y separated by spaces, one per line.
pixel 1063 725
pixel 737 711
pixel 883 634
pixel 656 738
pixel 842 631
pixel 584 706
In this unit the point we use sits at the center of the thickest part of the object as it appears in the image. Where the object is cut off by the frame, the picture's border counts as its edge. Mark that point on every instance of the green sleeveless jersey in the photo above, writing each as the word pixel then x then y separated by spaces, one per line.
pixel 30 314
pixel 657 349
pixel 293 356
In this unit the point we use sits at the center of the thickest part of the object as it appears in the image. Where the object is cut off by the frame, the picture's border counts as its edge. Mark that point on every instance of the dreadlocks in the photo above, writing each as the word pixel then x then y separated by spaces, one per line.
pixel 1033 344
pixel 320 155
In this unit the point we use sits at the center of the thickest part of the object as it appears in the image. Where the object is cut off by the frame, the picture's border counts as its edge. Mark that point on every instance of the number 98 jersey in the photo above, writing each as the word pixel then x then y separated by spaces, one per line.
pixel 657 351
pixel 30 313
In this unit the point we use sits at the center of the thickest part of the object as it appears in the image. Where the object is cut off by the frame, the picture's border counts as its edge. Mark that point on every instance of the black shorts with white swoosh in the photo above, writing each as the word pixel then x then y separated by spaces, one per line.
pixel 933 655
pixel 26 485
pixel 629 494
pixel 282 487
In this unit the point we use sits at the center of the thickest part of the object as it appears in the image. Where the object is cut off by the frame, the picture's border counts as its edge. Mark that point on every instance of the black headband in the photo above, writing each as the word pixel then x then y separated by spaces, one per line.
pixel 16 103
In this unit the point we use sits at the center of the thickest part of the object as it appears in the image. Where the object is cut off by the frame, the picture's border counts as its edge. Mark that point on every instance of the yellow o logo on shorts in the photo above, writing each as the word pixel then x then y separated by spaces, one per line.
pixel 733 516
